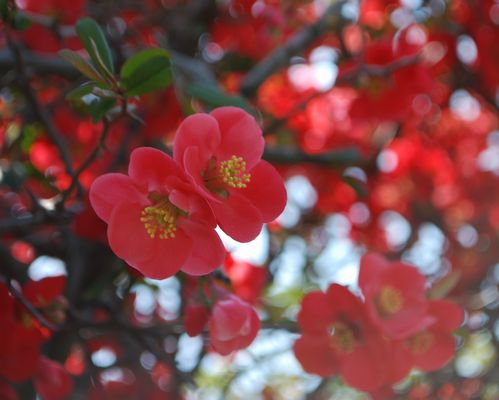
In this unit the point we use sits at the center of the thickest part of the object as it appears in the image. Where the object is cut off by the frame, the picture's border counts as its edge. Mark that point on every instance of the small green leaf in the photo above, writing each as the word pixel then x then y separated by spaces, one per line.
pixel 100 107
pixel 81 91
pixel 4 10
pixel 92 99
pixel 81 65
pixel 90 32
pixel 21 22
pixel 216 98
pixel 146 71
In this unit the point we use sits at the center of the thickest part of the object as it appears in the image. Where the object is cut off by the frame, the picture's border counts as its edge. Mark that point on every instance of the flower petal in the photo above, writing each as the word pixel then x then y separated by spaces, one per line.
pixel 240 135
pixel 208 252
pixel 314 354
pixel 152 168
pixel 449 316
pixel 316 314
pixel 169 257
pixel 238 218
pixel 266 191
pixel 127 235
pixel 109 190
pixel 198 130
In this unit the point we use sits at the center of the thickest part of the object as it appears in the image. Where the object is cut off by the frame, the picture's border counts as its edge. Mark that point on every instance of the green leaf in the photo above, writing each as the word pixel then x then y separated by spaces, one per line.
pixel 216 98
pixel 81 65
pixel 100 107
pixel 81 91
pixel 20 22
pixel 146 71
pixel 4 10
pixel 95 43
pixel 92 99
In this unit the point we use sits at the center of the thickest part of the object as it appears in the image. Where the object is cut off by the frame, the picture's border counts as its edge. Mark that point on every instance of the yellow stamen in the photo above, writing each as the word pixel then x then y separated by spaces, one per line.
pixel 390 301
pixel 342 337
pixel 422 342
pixel 233 172
pixel 160 219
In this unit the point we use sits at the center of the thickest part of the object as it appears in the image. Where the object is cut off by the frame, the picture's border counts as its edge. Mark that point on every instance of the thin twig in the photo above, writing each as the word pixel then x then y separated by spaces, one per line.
pixel 31 309
pixel 294 46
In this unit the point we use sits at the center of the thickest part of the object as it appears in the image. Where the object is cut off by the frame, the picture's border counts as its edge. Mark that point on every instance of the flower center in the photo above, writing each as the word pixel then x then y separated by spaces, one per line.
pixel 390 301
pixel 342 337
pixel 233 172
pixel 160 217
pixel 421 343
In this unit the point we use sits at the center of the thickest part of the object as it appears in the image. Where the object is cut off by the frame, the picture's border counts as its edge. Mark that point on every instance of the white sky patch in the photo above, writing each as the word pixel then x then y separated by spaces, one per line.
pixel 255 252
pixel 387 161
pixel 467 51
pixel 45 266
pixel 397 228
pixel 189 349
pixel 319 74
pixel 104 357
pixel 338 263
pixel 464 106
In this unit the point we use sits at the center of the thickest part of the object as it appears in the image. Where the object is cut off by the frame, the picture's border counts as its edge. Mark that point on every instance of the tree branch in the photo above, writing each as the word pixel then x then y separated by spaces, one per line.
pixel 295 45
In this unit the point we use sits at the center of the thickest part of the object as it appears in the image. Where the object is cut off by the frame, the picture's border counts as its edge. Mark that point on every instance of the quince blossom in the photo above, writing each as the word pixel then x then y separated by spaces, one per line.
pixel 156 221
pixel 221 154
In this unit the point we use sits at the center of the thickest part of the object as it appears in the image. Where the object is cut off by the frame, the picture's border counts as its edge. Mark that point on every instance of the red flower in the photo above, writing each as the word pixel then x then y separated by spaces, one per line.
pixel 19 352
pixel 337 337
pixel 156 222
pixel 433 347
pixel 395 296
pixel 233 325
pixel 248 280
pixel 221 153
pixel 196 317
pixel 52 381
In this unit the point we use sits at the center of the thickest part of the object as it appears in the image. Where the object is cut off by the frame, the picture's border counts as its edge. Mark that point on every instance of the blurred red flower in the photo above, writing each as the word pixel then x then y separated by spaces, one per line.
pixel 233 325
pixel 337 337
pixel 395 296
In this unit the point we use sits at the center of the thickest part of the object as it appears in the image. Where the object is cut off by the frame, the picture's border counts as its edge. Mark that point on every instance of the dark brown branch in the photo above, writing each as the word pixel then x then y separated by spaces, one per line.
pixel 292 155
pixel 88 161
pixel 30 308
pixel 39 112
pixel 294 46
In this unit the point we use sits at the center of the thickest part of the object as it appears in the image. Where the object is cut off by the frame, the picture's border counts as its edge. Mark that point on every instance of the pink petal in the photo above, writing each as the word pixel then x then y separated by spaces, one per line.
pixel 363 369
pixel 439 354
pixel 152 168
pixel 266 191
pixel 195 167
pixel 238 218
pixel 449 316
pixel 109 190
pixel 169 257
pixel 371 265
pixel 198 130
pixel 241 135
pixel 316 314
pixel 315 355
pixel 127 235
pixel 208 252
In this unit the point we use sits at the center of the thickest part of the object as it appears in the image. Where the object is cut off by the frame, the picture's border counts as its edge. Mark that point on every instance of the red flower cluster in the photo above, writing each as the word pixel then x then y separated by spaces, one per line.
pixel 161 217
pixel 373 343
